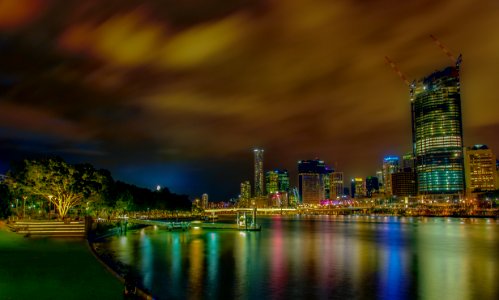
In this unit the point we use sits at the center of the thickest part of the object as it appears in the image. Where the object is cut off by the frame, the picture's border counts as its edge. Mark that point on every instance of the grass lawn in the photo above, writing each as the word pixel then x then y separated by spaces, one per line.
pixel 42 268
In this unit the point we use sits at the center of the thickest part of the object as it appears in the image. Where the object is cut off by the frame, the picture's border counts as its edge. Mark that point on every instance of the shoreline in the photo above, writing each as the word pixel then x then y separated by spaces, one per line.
pixel 113 265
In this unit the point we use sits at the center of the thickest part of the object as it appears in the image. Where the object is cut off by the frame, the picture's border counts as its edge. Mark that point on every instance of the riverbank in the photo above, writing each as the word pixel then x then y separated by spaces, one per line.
pixel 119 270
pixel 43 268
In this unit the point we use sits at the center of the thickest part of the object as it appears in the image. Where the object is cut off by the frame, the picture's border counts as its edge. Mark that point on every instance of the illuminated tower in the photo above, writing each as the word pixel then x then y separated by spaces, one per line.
pixel 390 166
pixel 258 172
pixel 480 169
pixel 437 132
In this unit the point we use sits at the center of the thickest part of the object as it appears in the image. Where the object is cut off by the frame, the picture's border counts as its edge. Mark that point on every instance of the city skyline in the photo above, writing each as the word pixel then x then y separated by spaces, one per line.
pixel 195 90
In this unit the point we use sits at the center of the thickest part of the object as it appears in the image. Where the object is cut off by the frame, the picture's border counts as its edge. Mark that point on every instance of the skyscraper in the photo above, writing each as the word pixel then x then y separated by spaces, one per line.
pixel 372 186
pixel 336 180
pixel 204 201
pixel 480 169
pixel 271 182
pixel 358 187
pixel 381 184
pixel 404 183
pixel 408 161
pixel 258 172
pixel 310 181
pixel 282 180
pixel 390 166
pixel 245 195
pixel 437 132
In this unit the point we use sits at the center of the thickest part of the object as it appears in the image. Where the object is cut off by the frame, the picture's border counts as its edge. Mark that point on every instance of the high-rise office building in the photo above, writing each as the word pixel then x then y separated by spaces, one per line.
pixel 437 132
pixel 358 187
pixel 404 183
pixel 390 166
pixel 408 161
pixel 381 184
pixel 283 180
pixel 271 182
pixel 204 201
pixel 311 181
pixel 277 181
pixel 372 186
pixel 336 181
pixel 326 178
pixel 258 172
pixel 480 169
pixel 244 198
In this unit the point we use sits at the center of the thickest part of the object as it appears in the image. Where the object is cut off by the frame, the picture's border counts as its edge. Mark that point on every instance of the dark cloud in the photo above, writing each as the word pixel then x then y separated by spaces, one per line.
pixel 192 86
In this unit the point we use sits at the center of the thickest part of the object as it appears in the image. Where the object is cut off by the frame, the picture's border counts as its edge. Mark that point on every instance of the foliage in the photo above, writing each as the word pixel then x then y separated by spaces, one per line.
pixel 60 183
pixel 69 186
pixel 4 201
pixel 143 198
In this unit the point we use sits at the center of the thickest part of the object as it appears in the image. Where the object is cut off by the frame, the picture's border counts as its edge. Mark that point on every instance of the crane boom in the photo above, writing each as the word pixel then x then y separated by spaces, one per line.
pixel 443 48
pixel 396 70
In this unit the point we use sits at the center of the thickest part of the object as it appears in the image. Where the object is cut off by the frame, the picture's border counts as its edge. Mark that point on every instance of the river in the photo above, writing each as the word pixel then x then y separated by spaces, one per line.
pixel 319 257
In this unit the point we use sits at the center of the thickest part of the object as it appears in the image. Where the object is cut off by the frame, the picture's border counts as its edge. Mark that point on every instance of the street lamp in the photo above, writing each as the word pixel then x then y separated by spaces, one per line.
pixel 50 202
pixel 24 207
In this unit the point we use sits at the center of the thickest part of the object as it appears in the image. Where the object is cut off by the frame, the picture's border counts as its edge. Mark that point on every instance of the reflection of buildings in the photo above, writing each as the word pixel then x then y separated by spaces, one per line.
pixel 390 166
pixel 437 132
pixel 311 181
pixel 480 169
pixel 258 172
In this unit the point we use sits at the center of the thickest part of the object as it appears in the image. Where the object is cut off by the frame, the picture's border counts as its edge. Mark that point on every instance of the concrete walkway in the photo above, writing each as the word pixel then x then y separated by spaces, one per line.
pixel 43 268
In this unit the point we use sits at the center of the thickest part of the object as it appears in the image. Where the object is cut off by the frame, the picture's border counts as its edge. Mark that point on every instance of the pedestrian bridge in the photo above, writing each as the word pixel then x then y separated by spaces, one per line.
pixel 196 225
pixel 276 210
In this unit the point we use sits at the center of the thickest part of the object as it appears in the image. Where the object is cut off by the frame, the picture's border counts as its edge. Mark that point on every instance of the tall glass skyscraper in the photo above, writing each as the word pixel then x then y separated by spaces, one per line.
pixel 437 132
pixel 258 172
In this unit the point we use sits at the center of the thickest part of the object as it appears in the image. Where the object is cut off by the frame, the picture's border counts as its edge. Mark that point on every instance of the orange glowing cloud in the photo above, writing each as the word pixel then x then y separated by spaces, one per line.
pixel 126 40
pixel 16 13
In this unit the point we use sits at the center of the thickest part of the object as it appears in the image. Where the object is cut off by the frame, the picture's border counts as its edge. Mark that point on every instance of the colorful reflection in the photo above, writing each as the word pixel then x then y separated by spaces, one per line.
pixel 320 257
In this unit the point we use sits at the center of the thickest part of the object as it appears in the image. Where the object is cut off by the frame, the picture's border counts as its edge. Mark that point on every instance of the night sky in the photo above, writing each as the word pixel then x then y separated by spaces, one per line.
pixel 178 93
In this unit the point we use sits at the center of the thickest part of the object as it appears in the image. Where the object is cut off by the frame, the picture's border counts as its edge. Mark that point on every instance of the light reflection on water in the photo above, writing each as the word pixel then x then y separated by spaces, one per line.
pixel 320 257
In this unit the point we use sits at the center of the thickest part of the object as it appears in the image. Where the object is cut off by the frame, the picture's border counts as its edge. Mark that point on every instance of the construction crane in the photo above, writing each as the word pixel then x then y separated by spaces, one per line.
pixel 447 51
pixel 397 71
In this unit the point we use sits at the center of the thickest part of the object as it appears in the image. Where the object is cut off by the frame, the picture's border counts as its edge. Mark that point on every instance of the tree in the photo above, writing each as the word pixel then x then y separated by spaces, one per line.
pixel 5 199
pixel 62 184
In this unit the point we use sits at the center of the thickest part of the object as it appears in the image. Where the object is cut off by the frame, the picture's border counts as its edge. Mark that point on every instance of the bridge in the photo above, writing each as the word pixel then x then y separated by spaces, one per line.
pixel 277 210
pixel 196 225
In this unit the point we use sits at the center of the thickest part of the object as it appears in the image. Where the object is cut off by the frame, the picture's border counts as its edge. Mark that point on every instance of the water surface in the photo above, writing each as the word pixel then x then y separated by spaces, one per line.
pixel 324 257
